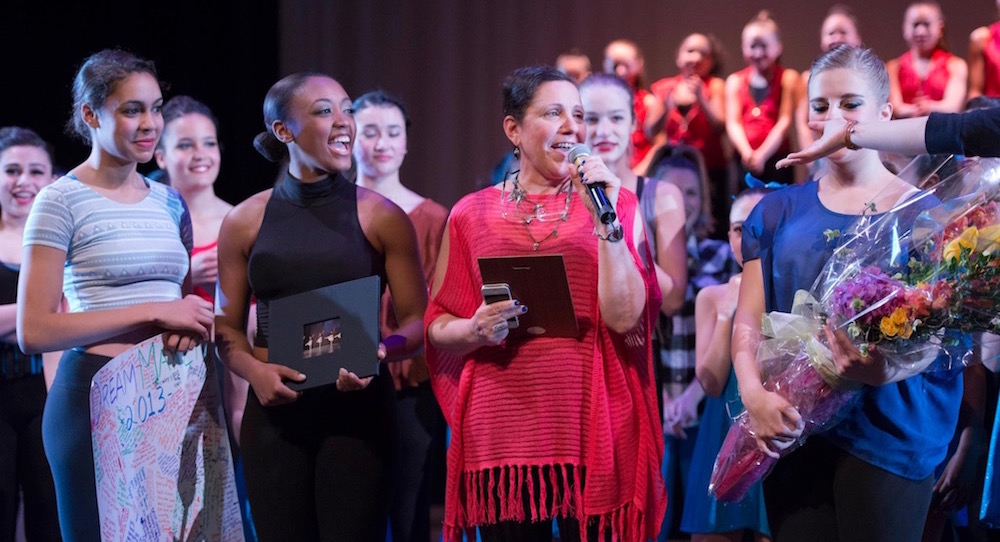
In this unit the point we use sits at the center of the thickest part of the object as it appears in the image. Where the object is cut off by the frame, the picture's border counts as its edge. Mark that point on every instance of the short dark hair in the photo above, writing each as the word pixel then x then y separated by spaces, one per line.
pixel 521 84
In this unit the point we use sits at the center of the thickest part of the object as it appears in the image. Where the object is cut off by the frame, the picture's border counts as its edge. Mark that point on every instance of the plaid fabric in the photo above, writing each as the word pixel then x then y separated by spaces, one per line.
pixel 710 261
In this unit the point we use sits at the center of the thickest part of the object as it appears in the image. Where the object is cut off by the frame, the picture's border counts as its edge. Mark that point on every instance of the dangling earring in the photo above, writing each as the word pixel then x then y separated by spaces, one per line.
pixel 517 153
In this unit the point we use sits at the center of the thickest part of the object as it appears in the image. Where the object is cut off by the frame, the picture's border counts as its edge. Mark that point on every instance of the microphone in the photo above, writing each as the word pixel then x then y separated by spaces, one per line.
pixel 605 211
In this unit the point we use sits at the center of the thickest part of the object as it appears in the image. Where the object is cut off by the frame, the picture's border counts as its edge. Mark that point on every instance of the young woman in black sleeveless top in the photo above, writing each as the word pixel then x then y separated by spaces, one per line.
pixel 318 463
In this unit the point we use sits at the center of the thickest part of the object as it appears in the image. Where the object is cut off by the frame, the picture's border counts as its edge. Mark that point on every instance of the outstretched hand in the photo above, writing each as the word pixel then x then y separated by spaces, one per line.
pixel 830 142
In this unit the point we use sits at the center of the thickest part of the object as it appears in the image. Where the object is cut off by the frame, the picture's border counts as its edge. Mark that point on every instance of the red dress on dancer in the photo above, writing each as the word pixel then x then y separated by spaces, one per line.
pixel 911 85
pixel 692 127
pixel 199 290
pixel 991 57
pixel 759 119
pixel 640 144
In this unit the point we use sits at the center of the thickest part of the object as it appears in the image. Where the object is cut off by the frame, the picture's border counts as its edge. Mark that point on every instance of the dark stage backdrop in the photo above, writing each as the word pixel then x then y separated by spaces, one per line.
pixel 223 52
pixel 445 58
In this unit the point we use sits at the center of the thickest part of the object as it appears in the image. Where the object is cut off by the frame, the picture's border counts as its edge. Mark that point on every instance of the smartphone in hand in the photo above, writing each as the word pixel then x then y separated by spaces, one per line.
pixel 499 292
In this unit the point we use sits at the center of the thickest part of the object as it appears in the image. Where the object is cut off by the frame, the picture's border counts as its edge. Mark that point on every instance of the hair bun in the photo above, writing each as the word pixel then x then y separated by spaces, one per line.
pixel 269 147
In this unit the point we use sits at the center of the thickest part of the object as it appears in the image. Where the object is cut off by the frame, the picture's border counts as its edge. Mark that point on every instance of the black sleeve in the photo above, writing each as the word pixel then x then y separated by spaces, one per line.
pixel 973 133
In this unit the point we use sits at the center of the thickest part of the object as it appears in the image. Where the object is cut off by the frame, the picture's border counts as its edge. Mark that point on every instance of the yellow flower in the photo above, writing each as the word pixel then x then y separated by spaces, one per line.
pixel 896 324
pixel 967 240
pixel 888 327
pixel 989 239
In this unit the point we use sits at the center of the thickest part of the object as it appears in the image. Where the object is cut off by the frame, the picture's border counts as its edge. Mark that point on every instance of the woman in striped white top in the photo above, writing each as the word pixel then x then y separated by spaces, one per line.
pixel 117 245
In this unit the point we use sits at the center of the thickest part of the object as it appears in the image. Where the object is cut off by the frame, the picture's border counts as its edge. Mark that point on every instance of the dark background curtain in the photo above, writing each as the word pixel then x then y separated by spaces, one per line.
pixel 445 58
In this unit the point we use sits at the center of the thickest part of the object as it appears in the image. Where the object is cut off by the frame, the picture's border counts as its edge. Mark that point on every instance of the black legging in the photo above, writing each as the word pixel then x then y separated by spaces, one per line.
pixel 321 467
pixel 23 467
pixel 421 425
pixel 66 434
pixel 820 493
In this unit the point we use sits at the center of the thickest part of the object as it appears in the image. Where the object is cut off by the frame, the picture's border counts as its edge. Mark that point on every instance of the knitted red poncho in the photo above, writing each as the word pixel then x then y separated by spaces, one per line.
pixel 531 418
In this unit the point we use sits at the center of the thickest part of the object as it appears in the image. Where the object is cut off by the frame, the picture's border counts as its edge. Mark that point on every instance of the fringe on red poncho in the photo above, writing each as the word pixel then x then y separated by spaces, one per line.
pixel 531 418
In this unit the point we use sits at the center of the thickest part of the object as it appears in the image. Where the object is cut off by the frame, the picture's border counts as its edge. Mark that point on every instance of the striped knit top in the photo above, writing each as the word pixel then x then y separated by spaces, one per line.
pixel 533 417
pixel 117 254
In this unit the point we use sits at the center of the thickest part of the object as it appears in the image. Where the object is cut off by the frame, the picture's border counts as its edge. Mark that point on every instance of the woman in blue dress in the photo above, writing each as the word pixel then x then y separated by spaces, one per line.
pixel 870 477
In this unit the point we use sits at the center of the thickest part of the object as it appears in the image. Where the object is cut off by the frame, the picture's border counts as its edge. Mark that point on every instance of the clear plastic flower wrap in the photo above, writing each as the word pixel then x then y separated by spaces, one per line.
pixel 910 282
pixel 917 283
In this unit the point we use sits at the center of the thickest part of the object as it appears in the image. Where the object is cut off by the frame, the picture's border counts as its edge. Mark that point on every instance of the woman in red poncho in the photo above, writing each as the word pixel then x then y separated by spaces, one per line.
pixel 548 428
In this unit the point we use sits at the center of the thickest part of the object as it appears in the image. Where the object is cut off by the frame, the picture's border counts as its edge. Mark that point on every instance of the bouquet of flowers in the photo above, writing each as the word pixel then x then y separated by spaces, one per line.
pixel 912 282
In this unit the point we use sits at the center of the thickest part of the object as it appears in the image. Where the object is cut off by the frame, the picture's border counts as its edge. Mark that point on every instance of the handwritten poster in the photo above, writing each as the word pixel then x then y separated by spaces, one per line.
pixel 161 450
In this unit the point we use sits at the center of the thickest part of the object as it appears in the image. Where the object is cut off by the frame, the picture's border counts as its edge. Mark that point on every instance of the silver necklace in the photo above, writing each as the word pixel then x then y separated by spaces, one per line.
pixel 528 210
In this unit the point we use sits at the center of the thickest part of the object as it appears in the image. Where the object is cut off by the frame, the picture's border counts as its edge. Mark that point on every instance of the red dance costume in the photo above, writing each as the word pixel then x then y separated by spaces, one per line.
pixel 640 144
pixel 991 54
pixel 428 218
pixel 692 128
pixel 758 119
pixel 530 416
pixel 911 85
pixel 198 290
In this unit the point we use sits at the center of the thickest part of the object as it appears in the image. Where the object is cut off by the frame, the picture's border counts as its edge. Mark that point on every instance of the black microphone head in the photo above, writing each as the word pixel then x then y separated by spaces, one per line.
pixel 578 151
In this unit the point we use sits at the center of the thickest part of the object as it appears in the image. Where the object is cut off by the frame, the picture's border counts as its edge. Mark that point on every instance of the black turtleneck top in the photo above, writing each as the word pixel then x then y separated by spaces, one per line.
pixel 309 237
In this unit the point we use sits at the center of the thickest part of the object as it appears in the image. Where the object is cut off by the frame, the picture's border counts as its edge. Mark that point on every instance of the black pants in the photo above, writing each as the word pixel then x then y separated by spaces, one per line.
pixel 421 426
pixel 66 434
pixel 321 467
pixel 23 467
pixel 523 531
pixel 819 493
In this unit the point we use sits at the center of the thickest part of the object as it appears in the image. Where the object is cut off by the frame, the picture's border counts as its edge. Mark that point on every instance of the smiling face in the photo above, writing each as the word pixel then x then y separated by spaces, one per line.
pixel 837 29
pixel 24 170
pixel 381 143
pixel 845 93
pixel 761 47
pixel 610 120
pixel 128 125
pixel 189 152
pixel 320 128
pixel 552 125
pixel 695 56
pixel 923 25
